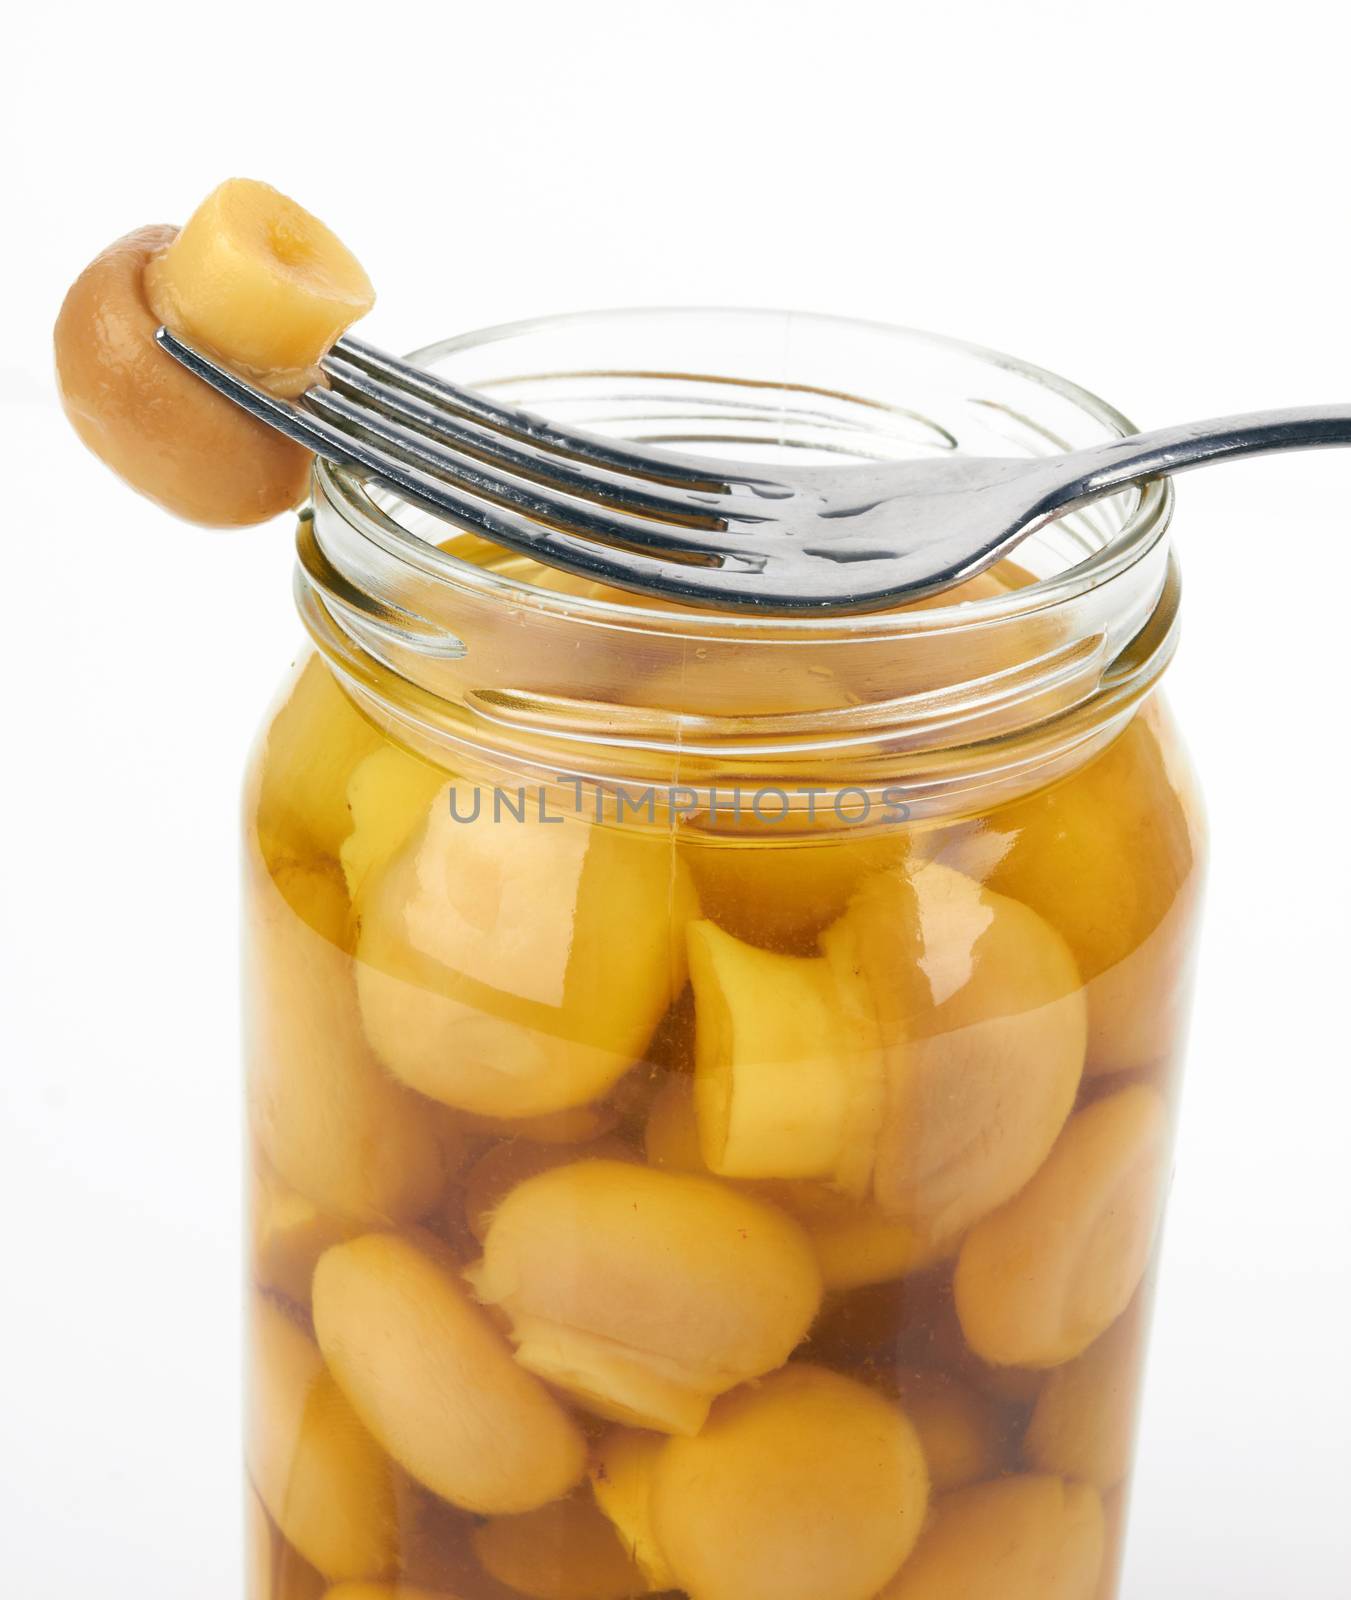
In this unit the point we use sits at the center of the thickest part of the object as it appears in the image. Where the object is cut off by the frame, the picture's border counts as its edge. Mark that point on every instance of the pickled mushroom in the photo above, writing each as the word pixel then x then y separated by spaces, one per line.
pixel 333 1126
pixel 779 894
pixel 435 1382
pixel 272 1570
pixel 501 1168
pixel 159 428
pixel 322 1478
pixel 805 1485
pixel 983 1024
pixel 643 1294
pixel 854 1241
pixel 958 1428
pixel 1022 1538
pixel 289 1233
pixel 1113 856
pixel 622 1468
pixel 313 747
pixel 389 793
pixel 514 968
pixel 256 280
pixel 787 1066
pixel 1041 1279
pixel 1083 1426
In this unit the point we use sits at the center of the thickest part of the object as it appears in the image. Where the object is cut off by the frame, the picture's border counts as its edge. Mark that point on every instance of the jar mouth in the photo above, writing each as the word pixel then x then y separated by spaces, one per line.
pixel 1142 515
pixel 516 669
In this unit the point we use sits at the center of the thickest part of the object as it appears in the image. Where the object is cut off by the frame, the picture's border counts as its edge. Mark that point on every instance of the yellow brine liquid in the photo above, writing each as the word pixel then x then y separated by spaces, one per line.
pixel 644 1208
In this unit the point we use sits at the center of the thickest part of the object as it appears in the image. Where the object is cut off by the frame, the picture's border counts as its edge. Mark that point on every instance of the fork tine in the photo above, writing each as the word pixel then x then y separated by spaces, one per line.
pixel 401 468
pixel 566 513
pixel 693 507
pixel 284 415
pixel 655 465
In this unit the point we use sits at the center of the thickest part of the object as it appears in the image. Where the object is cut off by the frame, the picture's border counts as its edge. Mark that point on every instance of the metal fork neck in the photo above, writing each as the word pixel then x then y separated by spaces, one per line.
pixel 1102 469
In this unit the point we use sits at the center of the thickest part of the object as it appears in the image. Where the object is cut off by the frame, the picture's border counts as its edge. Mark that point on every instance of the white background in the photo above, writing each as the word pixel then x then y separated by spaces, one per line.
pixel 1153 198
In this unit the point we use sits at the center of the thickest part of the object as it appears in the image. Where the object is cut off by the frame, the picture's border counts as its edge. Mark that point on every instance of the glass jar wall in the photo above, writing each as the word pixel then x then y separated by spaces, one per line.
pixel 711 1080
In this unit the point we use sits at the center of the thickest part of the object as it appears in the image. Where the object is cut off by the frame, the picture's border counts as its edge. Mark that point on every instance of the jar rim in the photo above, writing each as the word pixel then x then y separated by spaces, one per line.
pixel 458 652
pixel 1146 523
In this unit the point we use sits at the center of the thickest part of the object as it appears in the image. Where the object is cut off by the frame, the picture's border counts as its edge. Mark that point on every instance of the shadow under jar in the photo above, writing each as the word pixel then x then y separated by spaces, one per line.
pixel 711 1078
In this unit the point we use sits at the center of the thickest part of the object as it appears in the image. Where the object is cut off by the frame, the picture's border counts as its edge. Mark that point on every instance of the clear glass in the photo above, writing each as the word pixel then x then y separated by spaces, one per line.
pixel 711 1078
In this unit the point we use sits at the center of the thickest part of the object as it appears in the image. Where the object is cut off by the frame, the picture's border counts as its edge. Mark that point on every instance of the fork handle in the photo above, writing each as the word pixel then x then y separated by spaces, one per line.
pixel 1163 451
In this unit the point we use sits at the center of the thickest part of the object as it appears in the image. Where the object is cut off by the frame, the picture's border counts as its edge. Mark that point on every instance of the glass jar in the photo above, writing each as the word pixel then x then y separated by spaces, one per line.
pixel 712 1077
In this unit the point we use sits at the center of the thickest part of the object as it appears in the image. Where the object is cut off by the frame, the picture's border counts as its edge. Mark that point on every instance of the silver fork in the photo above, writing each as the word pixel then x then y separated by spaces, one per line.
pixel 711 532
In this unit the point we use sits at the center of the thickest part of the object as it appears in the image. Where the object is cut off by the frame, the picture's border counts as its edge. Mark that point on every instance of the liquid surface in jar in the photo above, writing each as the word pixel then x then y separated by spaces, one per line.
pixel 641 1212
